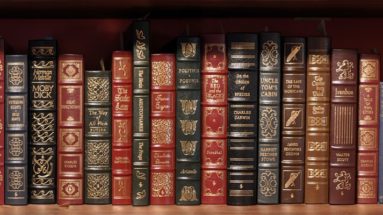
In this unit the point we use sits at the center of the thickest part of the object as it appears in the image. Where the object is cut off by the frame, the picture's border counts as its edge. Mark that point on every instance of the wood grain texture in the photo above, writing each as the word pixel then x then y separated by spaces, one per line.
pixel 192 210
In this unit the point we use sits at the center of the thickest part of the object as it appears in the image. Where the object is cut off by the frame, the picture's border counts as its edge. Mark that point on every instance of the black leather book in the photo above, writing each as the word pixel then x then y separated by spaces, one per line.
pixel 42 121
pixel 188 116
pixel 141 112
pixel 98 132
pixel 16 129
pixel 269 118
pixel 242 52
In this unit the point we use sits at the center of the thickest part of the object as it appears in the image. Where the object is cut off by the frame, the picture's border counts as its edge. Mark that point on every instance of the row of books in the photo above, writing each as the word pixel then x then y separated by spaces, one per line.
pixel 237 119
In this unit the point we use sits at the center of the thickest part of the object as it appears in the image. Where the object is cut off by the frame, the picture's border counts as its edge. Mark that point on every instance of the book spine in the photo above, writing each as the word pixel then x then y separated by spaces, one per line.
pixel 16 130
pixel 188 121
pixel 2 145
pixel 293 120
pixel 242 51
pixel 343 126
pixel 368 131
pixel 163 123
pixel 122 92
pixel 42 121
pixel 98 132
pixel 380 178
pixel 317 120
pixel 269 118
pixel 214 120
pixel 70 132
pixel 141 108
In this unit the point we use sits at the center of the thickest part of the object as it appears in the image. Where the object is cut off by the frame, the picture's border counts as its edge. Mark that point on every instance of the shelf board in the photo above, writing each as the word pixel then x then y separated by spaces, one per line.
pixel 192 210
pixel 188 8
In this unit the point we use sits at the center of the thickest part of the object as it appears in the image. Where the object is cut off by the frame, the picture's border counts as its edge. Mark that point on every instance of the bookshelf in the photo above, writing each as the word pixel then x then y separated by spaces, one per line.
pixel 191 210
pixel 94 27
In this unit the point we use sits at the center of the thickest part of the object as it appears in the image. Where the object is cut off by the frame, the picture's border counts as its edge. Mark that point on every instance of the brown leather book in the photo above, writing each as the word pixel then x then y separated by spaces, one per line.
pixel 368 131
pixel 293 120
pixel 317 120
pixel 343 126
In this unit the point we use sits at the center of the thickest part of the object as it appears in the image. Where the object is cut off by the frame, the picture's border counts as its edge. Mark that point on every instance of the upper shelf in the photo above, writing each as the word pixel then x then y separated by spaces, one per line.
pixel 189 8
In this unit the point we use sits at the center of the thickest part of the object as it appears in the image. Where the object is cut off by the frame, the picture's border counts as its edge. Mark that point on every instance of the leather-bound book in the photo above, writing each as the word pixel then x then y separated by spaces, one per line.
pixel 317 120
pixel 214 120
pixel 2 61
pixel 188 121
pixel 269 118
pixel 141 110
pixel 368 130
pixel 70 131
pixel 293 120
pixel 163 129
pixel 98 132
pixel 242 52
pixel 343 126
pixel 42 121
pixel 380 170
pixel 16 130
pixel 122 92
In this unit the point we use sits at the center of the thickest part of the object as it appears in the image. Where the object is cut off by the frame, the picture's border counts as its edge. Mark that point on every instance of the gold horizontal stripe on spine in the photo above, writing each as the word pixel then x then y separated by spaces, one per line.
pixel 242 56
pixel 241 159
pixel 241 181
pixel 241 192
pixel 242 45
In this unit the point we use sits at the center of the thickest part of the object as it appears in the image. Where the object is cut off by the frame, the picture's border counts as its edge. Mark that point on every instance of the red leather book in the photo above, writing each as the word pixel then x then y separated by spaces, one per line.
pixel 214 120
pixel 122 127
pixel 163 122
pixel 70 129
pixel 368 131
pixel 1 121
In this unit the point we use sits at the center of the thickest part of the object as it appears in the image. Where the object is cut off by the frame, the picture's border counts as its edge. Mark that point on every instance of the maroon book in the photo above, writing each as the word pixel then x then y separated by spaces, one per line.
pixel 122 127
pixel 214 120
pixel 343 126
pixel 70 129
pixel 163 122
pixel 368 131
pixel 1 121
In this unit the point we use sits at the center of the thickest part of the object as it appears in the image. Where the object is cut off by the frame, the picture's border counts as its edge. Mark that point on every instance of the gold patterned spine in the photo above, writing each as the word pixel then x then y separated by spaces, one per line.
pixel 42 119
pixel 317 120
pixel 98 142
pixel 16 130
pixel 368 130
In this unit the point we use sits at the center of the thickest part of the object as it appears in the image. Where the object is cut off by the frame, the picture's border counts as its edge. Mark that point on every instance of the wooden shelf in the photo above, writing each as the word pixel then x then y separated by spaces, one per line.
pixel 194 210
pixel 189 8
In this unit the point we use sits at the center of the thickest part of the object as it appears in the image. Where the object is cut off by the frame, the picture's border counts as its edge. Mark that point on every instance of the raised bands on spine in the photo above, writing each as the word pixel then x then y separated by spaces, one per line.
pixel 293 120
pixel 16 130
pixel 368 131
pixel 214 120
pixel 317 120
pixel 269 118
pixel 42 120
pixel 188 121
pixel 70 121
pixel 242 51
pixel 98 132
pixel 122 92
